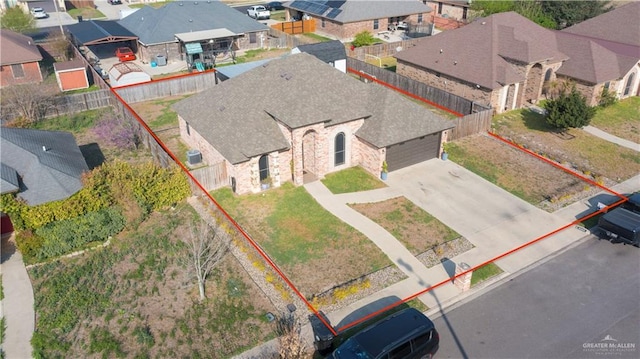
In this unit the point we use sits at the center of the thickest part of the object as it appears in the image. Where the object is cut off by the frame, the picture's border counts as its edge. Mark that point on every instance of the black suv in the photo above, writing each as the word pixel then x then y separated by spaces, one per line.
pixel 406 334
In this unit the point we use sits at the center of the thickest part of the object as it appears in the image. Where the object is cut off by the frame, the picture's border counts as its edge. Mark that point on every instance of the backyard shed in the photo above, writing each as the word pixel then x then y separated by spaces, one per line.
pixel 127 73
pixel 71 75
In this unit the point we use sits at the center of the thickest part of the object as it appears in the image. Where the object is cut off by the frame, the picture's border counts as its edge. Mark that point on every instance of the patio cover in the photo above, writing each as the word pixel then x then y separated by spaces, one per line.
pixel 100 32
pixel 194 36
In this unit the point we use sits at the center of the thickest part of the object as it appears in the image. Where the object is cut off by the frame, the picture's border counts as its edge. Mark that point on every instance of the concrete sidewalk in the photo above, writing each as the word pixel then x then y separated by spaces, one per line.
pixel 611 138
pixel 17 305
pixel 489 217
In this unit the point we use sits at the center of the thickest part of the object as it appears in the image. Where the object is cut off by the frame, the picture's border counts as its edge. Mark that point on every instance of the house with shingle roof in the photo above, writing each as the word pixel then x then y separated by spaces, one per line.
pixel 19 59
pixel 297 117
pixel 41 166
pixel 331 52
pixel 501 61
pixel 608 55
pixel 343 19
pixel 506 61
pixel 195 31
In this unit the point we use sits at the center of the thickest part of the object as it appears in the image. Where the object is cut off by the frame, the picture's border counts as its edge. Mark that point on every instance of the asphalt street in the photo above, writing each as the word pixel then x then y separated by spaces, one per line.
pixel 583 303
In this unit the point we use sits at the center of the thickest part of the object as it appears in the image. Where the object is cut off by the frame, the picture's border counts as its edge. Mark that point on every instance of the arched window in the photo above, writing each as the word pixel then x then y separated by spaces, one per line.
pixel 547 75
pixel 339 145
pixel 263 165
pixel 627 87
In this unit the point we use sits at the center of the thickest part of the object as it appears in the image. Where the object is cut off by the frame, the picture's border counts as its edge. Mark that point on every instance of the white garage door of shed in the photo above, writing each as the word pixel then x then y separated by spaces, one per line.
pixel 414 151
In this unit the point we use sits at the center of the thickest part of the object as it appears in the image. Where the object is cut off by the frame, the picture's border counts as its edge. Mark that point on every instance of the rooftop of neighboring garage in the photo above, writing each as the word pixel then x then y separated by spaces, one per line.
pixel 99 32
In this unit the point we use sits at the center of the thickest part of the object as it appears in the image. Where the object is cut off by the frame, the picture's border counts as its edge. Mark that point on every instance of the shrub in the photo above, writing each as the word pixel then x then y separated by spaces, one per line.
pixel 63 237
pixel 364 38
pixel 607 98
pixel 118 132
pixel 569 110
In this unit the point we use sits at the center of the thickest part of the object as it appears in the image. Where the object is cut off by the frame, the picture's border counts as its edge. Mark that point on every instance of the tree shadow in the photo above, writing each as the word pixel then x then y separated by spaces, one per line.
pixel 8 248
pixel 535 121
pixel 92 155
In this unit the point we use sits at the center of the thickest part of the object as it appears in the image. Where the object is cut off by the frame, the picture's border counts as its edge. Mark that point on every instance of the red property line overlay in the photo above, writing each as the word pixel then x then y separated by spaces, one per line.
pixel 397 89
pixel 426 290
pixel 233 222
pixel 511 251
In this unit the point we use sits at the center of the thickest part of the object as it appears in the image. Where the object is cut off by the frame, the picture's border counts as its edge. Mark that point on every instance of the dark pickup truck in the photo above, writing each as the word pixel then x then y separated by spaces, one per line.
pixel 623 223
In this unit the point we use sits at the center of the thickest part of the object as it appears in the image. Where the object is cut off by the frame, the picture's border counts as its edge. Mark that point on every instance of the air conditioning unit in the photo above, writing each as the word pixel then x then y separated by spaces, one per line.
pixel 194 157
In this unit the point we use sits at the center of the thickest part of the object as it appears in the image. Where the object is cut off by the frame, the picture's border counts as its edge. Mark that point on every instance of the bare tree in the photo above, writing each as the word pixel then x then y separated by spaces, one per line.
pixel 207 246
pixel 291 344
pixel 61 47
pixel 27 103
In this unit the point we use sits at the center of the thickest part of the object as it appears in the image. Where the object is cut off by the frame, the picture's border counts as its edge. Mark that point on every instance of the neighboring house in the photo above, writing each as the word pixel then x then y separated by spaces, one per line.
pixel 195 31
pixel 331 52
pixel 19 59
pixel 71 75
pixel 507 62
pixel 606 50
pixel 345 18
pixel 296 117
pixel 454 9
pixel 499 61
pixel 41 166
pixel 127 73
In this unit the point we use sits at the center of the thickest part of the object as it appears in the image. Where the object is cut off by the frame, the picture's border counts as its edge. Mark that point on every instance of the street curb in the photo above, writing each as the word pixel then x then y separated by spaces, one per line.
pixel 494 282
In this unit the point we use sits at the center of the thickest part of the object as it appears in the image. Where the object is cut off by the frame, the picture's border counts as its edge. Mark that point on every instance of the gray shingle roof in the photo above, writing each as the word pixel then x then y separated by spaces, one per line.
pixel 591 62
pixel 298 90
pixel 48 175
pixel 358 10
pixel 17 48
pixel 8 179
pixel 328 51
pixel 618 25
pixel 156 26
pixel 476 52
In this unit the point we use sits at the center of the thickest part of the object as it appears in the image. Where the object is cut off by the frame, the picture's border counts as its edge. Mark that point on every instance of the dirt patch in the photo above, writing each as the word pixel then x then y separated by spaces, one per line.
pixel 145 302
pixel 522 174
pixel 415 228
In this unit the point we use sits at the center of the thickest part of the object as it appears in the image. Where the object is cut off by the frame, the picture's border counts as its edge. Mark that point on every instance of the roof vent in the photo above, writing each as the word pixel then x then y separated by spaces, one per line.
pixel 221 108
pixel 455 62
pixel 195 3
pixel 180 4
pixel 44 148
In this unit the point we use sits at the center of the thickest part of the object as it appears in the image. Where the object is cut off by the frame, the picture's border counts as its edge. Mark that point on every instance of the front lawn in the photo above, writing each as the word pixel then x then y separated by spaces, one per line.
pixel 521 174
pixel 485 272
pixel 85 12
pixel 575 148
pixel 416 229
pixel 315 249
pixel 621 119
pixel 354 179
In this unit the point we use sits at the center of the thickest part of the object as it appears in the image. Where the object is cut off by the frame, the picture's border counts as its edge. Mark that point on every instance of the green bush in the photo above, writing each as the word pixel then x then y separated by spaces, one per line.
pixel 63 237
pixel 364 38
pixel 570 110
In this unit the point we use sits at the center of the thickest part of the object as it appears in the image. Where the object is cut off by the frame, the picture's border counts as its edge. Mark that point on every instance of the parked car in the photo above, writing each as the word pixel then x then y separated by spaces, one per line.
pixel 274 6
pixel 39 13
pixel 114 2
pixel 125 54
pixel 407 334
pixel 258 12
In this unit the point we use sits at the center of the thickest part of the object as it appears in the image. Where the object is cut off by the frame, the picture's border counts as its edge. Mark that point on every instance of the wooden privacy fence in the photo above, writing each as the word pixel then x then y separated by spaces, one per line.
pixel 66 104
pixel 279 39
pixel 173 86
pixel 471 124
pixel 382 50
pixel 296 27
pixel 443 98
pixel 144 134
pixel 212 177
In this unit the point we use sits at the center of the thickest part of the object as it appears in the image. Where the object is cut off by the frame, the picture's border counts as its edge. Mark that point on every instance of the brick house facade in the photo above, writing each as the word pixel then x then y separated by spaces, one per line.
pixel 321 122
pixel 509 62
pixel 20 63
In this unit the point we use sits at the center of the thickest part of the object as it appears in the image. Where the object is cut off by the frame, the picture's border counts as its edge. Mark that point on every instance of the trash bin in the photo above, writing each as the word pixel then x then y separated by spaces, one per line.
pixel 322 336
pixel 161 60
